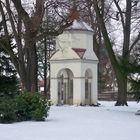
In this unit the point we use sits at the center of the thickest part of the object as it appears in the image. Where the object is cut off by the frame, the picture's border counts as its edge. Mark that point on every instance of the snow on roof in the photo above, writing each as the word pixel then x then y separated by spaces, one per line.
pixel 80 25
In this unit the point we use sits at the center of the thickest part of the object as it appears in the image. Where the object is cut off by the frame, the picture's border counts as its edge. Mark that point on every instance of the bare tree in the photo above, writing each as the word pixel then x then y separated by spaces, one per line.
pixel 121 65
pixel 22 26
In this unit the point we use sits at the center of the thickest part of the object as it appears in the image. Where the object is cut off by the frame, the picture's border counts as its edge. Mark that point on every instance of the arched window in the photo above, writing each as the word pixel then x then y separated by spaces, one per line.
pixel 65 86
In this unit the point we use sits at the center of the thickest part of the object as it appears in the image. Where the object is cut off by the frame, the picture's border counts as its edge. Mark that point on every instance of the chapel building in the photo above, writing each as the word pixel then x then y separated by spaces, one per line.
pixel 73 67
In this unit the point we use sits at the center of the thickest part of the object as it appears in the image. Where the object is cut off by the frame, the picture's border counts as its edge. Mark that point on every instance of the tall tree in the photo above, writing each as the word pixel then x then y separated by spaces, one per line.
pixel 121 64
pixel 24 31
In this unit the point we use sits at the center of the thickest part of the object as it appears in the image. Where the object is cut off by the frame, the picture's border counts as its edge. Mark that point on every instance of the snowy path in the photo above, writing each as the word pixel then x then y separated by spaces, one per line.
pixel 79 123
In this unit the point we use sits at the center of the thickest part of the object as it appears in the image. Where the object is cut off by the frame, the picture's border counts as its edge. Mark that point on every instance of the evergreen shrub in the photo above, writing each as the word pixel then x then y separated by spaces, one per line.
pixel 31 106
pixel 24 107
pixel 7 110
pixel 135 89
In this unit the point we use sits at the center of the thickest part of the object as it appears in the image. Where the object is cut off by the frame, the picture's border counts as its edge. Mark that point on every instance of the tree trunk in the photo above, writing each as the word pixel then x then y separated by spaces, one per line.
pixel 32 68
pixel 45 66
pixel 117 66
pixel 122 89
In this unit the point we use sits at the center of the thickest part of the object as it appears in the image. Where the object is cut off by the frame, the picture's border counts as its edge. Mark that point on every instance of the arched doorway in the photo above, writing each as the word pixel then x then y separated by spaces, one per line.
pixel 65 87
pixel 88 89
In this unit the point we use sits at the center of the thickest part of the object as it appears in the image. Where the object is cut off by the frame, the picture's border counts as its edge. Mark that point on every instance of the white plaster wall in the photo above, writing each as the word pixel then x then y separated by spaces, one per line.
pixel 66 58
pixel 74 66
pixel 74 39
pixel 78 91
pixel 78 68
pixel 77 39
pixel 54 91
pixel 65 53
pixel 90 54
pixel 93 67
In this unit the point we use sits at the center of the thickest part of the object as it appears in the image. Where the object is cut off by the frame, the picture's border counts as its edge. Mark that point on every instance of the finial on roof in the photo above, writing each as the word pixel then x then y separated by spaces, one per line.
pixel 74 13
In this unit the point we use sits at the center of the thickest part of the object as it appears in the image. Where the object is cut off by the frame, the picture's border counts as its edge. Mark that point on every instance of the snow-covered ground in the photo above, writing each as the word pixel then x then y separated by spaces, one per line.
pixel 106 122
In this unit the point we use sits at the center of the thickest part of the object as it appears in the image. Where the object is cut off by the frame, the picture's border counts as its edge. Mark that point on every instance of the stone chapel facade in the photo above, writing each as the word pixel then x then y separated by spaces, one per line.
pixel 74 67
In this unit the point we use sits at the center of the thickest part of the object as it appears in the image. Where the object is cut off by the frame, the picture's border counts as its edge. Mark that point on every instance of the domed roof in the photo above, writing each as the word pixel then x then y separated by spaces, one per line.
pixel 79 25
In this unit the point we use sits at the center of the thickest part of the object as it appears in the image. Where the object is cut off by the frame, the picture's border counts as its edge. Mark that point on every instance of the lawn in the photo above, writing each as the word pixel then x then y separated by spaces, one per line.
pixel 106 122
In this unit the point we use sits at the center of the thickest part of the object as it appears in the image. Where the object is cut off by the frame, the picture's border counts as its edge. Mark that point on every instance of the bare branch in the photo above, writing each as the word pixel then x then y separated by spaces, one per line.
pixel 120 12
pixel 53 32
pixel 135 42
